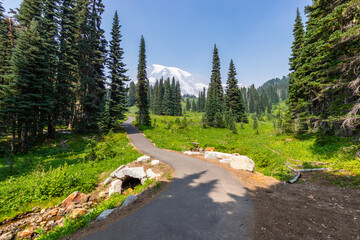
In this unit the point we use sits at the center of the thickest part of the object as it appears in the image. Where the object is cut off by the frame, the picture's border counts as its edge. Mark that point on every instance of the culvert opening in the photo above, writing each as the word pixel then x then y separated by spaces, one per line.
pixel 130 182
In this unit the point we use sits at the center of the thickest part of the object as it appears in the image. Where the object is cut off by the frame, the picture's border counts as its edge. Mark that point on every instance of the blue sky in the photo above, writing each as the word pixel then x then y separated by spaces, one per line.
pixel 256 34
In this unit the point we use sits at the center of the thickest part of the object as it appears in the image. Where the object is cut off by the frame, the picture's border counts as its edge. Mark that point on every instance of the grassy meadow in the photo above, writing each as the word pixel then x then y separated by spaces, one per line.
pixel 269 149
pixel 49 172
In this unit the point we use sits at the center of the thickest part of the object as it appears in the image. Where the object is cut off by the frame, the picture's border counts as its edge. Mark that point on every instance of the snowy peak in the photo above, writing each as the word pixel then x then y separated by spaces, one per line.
pixel 188 82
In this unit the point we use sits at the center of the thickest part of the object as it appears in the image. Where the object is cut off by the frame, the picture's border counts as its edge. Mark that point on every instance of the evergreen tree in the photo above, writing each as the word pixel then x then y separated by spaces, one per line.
pixel 49 32
pixel 194 105
pixel 132 93
pixel 215 96
pixel 156 97
pixel 30 10
pixel 117 103
pixel 294 60
pixel 233 98
pixel 30 82
pixel 64 95
pixel 178 111
pixel 324 84
pixel 188 104
pixel 161 96
pixel 167 104
pixel 90 60
pixel 142 88
pixel 173 97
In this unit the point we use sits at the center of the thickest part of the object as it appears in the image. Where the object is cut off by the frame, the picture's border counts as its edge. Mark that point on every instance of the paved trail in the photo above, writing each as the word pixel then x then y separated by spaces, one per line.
pixel 204 201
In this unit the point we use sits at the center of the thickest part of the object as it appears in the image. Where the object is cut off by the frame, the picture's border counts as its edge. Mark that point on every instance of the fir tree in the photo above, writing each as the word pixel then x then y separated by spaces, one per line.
pixel 49 32
pixel 30 82
pixel 117 104
pixel 30 10
pixel 296 48
pixel 132 93
pixel 142 87
pixel 188 104
pixel 90 61
pixel 64 96
pixel 233 96
pixel 167 103
pixel 215 96
pixel 178 111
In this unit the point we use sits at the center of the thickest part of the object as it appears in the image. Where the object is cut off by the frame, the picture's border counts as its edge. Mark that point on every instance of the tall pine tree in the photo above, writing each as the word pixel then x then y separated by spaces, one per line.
pixel 233 98
pixel 117 105
pixel 215 96
pixel 142 88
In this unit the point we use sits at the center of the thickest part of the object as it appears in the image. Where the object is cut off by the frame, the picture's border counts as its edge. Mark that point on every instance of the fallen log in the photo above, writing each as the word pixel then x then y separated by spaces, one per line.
pixel 298 175
pixel 307 170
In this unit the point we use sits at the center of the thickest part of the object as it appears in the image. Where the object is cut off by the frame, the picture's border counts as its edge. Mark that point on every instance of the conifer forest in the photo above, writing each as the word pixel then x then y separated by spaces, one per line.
pixel 68 91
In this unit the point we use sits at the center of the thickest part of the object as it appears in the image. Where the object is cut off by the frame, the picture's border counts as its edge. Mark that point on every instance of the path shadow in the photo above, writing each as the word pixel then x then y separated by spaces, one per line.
pixel 190 208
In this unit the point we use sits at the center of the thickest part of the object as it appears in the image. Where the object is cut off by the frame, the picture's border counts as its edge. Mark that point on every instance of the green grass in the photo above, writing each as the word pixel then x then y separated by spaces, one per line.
pixel 48 173
pixel 268 149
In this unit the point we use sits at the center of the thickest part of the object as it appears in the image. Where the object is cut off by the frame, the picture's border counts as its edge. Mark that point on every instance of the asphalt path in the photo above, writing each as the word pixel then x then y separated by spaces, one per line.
pixel 204 201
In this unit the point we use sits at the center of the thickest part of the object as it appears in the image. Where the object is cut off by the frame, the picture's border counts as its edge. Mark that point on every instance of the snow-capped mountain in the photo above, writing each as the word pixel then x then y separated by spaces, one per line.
pixel 189 83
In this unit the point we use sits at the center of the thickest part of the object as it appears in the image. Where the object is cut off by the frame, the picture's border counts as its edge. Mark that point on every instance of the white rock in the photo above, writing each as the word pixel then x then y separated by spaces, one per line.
pixel 242 162
pixel 115 187
pixel 143 159
pixel 108 180
pixel 118 169
pixel 135 172
pixel 192 153
pixel 155 162
pixel 128 200
pixel 223 155
pixel 120 174
pixel 211 155
pixel 151 174
pixel 104 214
pixel 227 160
pixel 6 236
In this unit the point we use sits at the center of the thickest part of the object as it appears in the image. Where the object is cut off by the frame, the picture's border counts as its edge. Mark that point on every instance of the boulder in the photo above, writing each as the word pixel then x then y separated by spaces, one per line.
pixel 128 200
pixel 243 163
pixel 75 197
pixel 211 155
pixel 227 160
pixel 108 180
pixel 118 169
pixel 116 187
pixel 134 172
pixel 6 236
pixel 143 159
pixel 191 153
pixel 27 233
pixel 223 155
pixel 77 212
pixel 104 214
pixel 151 174
pixel 155 162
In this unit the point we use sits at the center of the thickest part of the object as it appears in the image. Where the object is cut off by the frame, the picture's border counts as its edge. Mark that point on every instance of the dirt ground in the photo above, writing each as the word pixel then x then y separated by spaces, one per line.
pixel 312 208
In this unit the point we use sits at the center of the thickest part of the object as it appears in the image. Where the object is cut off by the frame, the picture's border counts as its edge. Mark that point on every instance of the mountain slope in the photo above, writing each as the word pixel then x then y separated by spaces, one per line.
pixel 190 84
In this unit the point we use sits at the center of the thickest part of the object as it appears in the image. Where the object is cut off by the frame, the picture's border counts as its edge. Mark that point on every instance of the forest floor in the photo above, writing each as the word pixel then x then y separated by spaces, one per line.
pixel 312 208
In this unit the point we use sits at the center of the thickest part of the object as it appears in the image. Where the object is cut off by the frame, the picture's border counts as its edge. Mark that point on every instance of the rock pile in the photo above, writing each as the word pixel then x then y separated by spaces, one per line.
pixel 235 160
pixel 24 226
